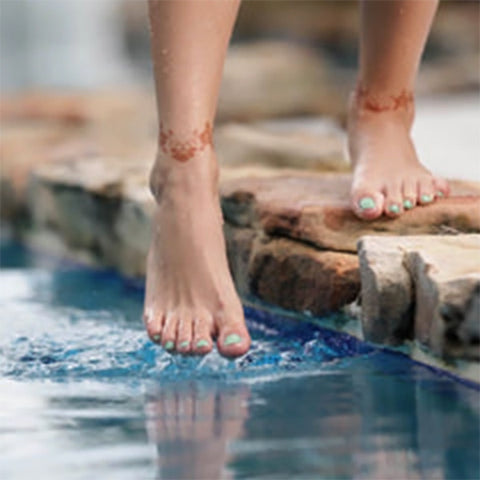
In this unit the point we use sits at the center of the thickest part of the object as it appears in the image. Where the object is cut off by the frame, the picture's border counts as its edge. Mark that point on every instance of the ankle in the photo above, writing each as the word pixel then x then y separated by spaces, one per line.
pixel 374 100
pixel 197 176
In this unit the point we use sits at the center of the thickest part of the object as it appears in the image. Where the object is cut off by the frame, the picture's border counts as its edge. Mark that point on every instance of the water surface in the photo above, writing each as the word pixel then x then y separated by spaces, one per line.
pixel 84 394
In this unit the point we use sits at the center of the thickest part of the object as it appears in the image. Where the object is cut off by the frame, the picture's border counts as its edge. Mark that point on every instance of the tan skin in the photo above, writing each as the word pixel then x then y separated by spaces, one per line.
pixel 190 299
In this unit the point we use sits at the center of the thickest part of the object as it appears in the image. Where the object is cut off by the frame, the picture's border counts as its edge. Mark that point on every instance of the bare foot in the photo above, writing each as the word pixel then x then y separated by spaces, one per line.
pixel 388 177
pixel 190 297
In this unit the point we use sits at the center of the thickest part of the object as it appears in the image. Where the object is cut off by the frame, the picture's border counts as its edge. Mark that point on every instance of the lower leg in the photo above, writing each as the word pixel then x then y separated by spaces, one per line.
pixel 388 177
pixel 190 297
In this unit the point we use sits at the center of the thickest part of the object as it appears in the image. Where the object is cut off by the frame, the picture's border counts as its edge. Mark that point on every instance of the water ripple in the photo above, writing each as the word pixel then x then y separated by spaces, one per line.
pixel 42 338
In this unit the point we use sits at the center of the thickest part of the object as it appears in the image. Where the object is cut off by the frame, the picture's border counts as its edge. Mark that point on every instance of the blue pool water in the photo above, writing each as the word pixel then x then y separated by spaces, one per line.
pixel 85 395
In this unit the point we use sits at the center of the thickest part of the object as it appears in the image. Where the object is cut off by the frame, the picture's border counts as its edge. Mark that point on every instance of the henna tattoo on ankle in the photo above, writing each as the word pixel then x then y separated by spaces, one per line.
pixel 184 150
pixel 382 103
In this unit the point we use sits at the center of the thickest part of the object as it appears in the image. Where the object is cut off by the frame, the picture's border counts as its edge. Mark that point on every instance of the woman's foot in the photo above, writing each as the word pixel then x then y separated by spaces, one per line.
pixel 190 297
pixel 388 178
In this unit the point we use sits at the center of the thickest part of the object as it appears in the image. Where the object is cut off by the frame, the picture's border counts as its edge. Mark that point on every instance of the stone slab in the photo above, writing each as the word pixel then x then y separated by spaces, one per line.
pixel 105 208
pixel 314 208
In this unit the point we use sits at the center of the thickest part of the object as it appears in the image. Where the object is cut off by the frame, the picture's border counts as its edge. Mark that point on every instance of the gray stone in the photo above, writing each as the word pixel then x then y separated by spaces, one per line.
pixel 239 243
pixel 93 205
pixel 386 291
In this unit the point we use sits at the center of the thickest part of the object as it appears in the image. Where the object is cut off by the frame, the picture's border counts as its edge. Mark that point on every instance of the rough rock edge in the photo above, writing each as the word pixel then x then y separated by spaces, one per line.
pixel 404 295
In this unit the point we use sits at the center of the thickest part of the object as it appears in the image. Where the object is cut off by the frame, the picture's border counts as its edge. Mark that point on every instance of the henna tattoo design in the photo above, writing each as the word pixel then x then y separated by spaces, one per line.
pixel 184 150
pixel 383 103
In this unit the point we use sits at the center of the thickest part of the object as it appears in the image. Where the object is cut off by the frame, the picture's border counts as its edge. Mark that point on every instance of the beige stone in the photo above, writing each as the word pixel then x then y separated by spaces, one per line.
pixel 315 144
pixel 301 278
pixel 446 272
pixel 423 287
pixel 314 208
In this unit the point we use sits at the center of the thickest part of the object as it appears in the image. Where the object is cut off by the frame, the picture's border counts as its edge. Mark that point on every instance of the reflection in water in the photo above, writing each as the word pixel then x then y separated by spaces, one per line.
pixel 376 417
pixel 192 427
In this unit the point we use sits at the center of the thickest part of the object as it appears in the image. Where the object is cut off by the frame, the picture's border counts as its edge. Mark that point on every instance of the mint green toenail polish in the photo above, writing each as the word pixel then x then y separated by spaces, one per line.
pixel 156 338
pixel 366 203
pixel 169 345
pixel 394 209
pixel 426 198
pixel 408 204
pixel 184 344
pixel 440 194
pixel 202 343
pixel 232 339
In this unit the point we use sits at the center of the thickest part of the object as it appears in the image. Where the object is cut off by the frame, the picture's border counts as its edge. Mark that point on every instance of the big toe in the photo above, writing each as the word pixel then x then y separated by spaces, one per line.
pixel 367 203
pixel 233 338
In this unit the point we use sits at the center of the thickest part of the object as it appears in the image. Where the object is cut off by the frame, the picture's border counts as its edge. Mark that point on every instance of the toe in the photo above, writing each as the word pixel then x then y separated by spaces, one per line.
pixel 393 205
pixel 169 332
pixel 184 333
pixel 441 188
pixel 233 339
pixel 426 190
pixel 153 323
pixel 367 204
pixel 409 194
pixel 202 334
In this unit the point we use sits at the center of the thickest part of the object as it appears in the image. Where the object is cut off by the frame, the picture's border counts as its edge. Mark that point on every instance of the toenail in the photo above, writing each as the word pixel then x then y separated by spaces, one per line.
pixel 156 338
pixel 408 204
pixel 366 203
pixel 169 345
pixel 440 194
pixel 202 343
pixel 426 198
pixel 232 339
pixel 184 345
pixel 394 209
